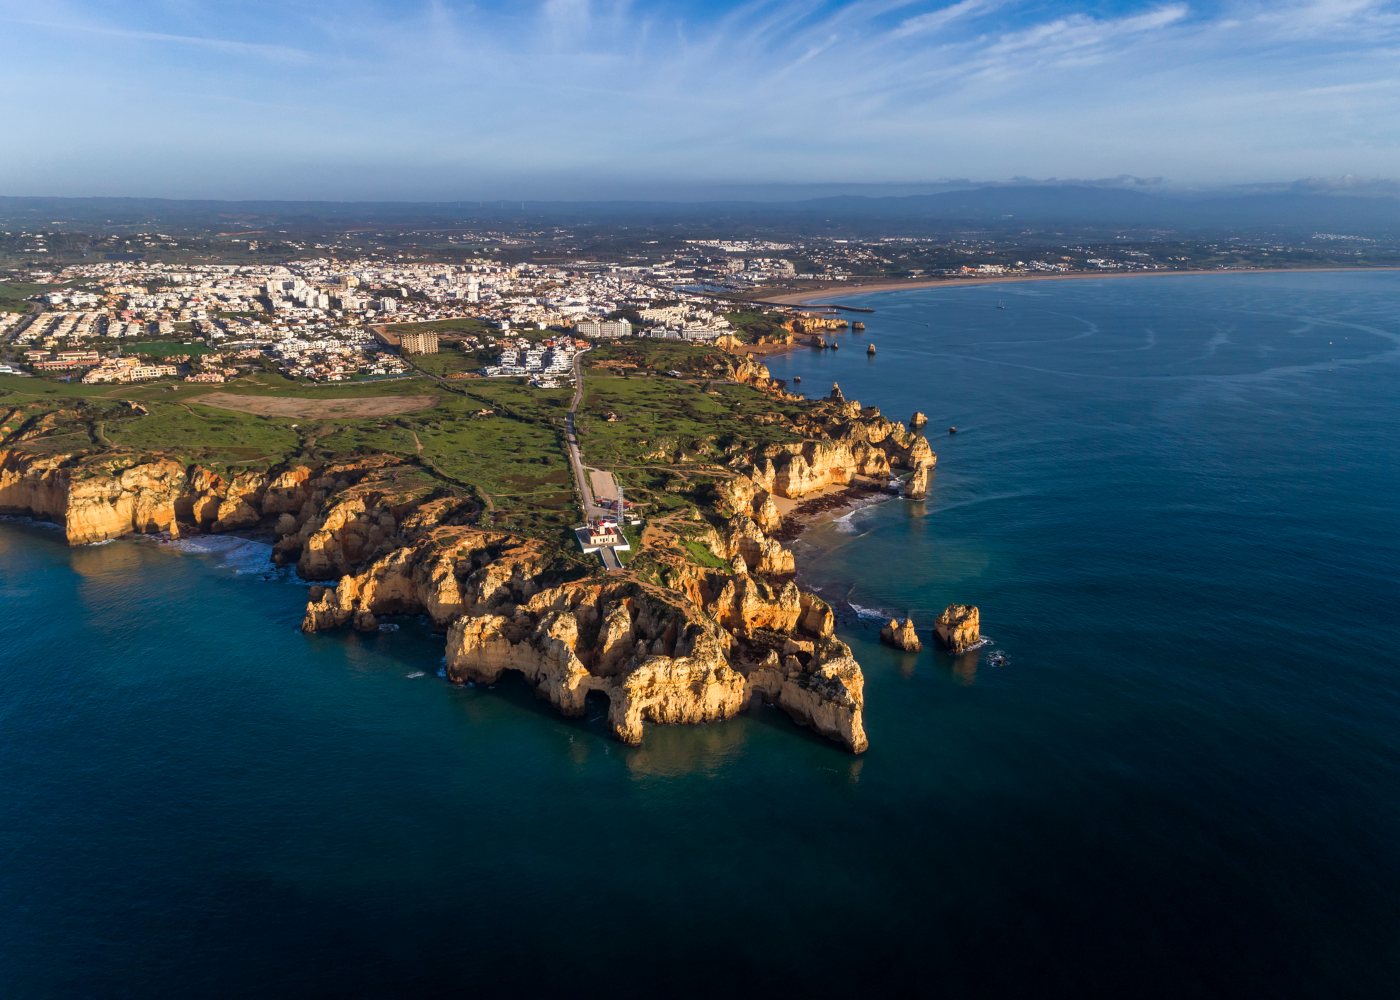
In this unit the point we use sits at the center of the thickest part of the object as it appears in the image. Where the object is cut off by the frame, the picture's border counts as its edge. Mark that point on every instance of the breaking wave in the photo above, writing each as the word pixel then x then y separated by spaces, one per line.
pixel 869 614
pixel 241 555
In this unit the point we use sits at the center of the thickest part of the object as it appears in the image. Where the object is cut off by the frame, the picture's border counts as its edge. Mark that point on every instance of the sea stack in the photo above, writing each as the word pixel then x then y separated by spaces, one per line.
pixel 899 636
pixel 916 486
pixel 870 348
pixel 918 421
pixel 837 396
pixel 958 627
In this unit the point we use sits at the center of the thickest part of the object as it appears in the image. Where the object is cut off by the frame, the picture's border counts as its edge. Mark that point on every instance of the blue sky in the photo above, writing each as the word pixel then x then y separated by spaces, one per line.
pixel 441 99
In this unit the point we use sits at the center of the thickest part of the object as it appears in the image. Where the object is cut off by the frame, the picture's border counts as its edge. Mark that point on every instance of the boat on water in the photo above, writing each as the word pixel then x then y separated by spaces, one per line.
pixel 953 429
pixel 1001 305
pixel 797 378
pixel 870 349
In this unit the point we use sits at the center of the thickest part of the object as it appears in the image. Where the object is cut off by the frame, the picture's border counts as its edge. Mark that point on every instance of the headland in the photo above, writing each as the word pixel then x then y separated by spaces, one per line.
pixel 457 507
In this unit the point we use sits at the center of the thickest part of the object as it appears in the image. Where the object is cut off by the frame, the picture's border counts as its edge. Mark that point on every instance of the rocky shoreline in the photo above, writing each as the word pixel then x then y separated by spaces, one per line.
pixel 668 641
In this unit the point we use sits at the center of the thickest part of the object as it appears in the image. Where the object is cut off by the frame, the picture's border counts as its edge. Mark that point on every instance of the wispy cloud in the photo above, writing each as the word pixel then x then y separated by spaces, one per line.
pixel 284 53
pixel 752 89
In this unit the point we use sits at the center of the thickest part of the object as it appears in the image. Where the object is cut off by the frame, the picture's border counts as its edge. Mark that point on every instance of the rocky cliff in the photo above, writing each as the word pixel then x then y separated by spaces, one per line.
pixel 904 636
pixel 669 641
pixel 959 627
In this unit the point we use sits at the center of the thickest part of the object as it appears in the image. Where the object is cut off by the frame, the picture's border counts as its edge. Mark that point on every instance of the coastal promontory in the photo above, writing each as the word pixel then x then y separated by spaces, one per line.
pixel 461 512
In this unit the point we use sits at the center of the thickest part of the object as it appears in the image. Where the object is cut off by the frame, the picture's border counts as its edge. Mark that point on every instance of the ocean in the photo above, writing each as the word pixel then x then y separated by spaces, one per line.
pixel 1173 499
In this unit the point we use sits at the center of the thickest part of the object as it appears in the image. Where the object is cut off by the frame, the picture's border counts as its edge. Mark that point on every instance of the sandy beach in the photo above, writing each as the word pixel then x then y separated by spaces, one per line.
pixel 861 288
pixel 827 505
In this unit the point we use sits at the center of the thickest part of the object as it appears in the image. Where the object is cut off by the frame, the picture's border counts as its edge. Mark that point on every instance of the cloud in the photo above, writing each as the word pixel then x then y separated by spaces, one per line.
pixel 936 20
pixel 283 53
pixel 436 96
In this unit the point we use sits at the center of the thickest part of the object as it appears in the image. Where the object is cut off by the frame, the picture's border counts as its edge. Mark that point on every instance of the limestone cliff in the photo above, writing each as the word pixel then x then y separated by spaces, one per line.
pixel 670 642
pixel 904 637
pixel 840 442
pixel 959 627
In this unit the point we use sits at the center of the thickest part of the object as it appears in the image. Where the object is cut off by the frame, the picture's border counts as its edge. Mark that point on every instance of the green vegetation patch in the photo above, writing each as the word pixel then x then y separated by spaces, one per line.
pixel 463 325
pixel 218 438
pixel 752 324
pixel 163 348
pixel 14 295
pixel 447 362
pixel 665 421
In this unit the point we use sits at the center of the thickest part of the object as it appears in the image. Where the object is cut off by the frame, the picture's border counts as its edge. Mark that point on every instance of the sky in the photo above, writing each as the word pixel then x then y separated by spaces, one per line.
pixel 565 99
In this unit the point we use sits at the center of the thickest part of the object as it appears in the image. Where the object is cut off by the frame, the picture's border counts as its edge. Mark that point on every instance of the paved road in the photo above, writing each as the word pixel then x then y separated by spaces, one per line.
pixel 581 479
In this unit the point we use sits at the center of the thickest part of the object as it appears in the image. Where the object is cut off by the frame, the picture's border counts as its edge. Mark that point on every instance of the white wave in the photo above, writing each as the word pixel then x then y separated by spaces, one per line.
pixel 99 542
pixel 388 627
pixel 416 674
pixel 242 555
pixel 870 614
pixel 845 524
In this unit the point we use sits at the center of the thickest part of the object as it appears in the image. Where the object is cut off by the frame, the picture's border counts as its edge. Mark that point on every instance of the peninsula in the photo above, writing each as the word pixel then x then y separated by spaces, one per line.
pixel 454 499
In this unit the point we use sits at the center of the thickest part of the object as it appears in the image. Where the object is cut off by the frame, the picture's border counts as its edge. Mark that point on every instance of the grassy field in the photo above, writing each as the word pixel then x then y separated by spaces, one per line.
pixel 163 348
pixel 658 356
pixel 662 420
pixel 753 324
pixel 501 444
pixel 464 325
pixel 310 408
pixel 447 362
pixel 14 295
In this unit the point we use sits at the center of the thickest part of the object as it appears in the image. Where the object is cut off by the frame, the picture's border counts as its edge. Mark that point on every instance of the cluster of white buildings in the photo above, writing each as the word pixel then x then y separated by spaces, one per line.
pixel 547 363
pixel 316 318
pixel 128 370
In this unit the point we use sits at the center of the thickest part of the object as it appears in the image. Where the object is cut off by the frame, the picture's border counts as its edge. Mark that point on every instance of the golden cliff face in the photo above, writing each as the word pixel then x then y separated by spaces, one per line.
pixel 959 627
pixel 841 442
pixel 685 644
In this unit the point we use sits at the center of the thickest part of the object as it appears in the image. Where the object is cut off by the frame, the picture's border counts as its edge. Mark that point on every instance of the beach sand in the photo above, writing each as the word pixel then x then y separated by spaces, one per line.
pixel 827 505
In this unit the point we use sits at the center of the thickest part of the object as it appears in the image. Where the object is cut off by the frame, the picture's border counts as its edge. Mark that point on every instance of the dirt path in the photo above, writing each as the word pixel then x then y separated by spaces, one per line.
pixel 316 409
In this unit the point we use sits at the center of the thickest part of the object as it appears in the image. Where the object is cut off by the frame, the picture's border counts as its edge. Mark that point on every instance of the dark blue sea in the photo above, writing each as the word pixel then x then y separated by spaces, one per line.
pixel 1174 500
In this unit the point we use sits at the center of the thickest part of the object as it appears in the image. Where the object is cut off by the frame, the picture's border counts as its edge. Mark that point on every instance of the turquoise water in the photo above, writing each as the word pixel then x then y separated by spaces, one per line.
pixel 1174 501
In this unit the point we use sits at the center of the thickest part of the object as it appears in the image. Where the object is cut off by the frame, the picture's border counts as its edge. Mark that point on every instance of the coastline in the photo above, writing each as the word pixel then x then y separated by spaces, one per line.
pixel 829 505
pixel 912 284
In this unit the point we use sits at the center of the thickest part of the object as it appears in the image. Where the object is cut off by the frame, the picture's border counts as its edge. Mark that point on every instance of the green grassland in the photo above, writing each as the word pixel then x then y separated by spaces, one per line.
pixel 752 324
pixel 668 421
pixel 448 362
pixel 163 348
pixel 511 459
pixel 496 440
pixel 463 325
pixel 659 356
pixel 14 295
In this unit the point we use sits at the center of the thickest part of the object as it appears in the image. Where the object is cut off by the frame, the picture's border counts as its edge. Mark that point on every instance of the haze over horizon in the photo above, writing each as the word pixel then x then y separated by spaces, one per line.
pixel 602 99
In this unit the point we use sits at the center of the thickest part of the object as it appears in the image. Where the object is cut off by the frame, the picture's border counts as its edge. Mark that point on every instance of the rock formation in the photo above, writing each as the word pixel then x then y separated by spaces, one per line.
pixel 918 421
pixel 958 627
pixel 899 636
pixel 667 641
pixel 916 486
